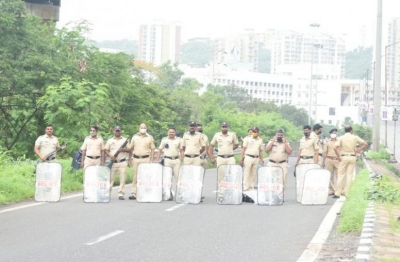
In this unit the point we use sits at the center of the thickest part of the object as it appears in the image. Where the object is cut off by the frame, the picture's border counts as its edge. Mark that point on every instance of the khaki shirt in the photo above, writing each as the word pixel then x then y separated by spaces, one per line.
pixel 253 145
pixel 225 142
pixel 319 142
pixel 47 144
pixel 278 151
pixel 329 149
pixel 348 142
pixel 309 146
pixel 193 143
pixel 142 145
pixel 93 146
pixel 113 144
pixel 174 146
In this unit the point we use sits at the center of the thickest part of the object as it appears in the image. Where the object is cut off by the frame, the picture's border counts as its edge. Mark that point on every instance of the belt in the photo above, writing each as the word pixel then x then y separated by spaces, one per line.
pixel 171 157
pixel 251 156
pixel 119 161
pixel 348 155
pixel 192 156
pixel 278 162
pixel 320 154
pixel 135 156
pixel 94 157
pixel 331 157
pixel 306 157
pixel 225 156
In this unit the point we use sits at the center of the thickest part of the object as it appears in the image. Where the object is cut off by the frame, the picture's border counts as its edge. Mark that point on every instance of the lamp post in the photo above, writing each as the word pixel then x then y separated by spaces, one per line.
pixel 395 117
pixel 318 46
pixel 313 25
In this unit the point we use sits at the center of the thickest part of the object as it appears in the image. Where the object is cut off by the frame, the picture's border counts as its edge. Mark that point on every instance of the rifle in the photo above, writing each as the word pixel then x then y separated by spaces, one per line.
pixel 117 153
pixel 55 151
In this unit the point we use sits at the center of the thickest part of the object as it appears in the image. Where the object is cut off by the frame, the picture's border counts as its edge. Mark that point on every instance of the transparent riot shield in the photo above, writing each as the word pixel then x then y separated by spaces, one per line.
pixel 316 187
pixel 189 185
pixel 96 184
pixel 48 182
pixel 149 183
pixel 270 186
pixel 167 193
pixel 230 188
pixel 301 170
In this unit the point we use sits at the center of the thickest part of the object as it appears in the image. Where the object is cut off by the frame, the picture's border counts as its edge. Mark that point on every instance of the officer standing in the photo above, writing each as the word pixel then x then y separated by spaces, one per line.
pixel 171 146
pixel 203 155
pixel 120 162
pixel 346 151
pixel 317 129
pixel 142 145
pixel 93 149
pixel 333 161
pixel 47 144
pixel 252 155
pixel 308 150
pixel 279 150
pixel 192 146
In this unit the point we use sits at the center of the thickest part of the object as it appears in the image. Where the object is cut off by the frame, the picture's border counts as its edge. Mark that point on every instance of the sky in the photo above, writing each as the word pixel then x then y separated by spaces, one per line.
pixel 120 19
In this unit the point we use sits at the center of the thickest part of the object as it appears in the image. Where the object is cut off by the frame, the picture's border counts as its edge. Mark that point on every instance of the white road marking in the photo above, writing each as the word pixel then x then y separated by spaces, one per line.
pixel 21 207
pixel 102 238
pixel 175 207
pixel 215 191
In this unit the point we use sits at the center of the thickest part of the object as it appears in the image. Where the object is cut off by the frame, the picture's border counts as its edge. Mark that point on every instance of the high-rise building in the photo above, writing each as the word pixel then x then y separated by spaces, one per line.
pixel 159 42
pixel 393 62
pixel 48 10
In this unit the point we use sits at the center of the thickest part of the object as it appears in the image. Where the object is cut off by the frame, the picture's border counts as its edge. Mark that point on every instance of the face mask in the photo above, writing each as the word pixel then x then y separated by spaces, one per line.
pixel 279 139
pixel 92 133
pixel 333 135
pixel 192 132
pixel 254 135
pixel 307 134
pixel 200 130
pixel 143 130
pixel 224 132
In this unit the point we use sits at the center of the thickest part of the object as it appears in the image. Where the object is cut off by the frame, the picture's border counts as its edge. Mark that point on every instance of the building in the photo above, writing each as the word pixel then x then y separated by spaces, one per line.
pixel 48 10
pixel 159 42
pixel 393 62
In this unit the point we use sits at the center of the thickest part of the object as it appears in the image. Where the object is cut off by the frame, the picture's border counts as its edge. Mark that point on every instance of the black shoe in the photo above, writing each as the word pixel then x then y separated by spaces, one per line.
pixel 202 199
pixel 335 196
pixel 121 198
pixel 132 197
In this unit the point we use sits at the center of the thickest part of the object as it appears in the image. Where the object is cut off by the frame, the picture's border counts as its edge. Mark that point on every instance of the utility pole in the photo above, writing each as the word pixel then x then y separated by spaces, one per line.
pixel 377 78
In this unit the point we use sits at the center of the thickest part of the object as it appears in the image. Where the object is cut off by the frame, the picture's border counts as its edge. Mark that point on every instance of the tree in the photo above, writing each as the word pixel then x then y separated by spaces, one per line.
pixel 358 62
pixel 127 46
pixel 197 52
pixel 298 117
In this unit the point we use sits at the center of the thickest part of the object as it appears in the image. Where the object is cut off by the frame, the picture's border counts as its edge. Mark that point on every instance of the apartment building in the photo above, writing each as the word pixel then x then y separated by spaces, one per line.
pixel 393 62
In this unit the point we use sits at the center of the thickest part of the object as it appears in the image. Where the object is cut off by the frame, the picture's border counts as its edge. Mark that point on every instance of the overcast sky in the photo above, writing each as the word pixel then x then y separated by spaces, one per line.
pixel 119 19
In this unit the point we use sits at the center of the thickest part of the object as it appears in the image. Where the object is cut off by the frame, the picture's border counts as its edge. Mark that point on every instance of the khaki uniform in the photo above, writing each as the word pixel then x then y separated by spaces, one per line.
pixel 278 157
pixel 171 154
pixel 307 149
pixel 320 147
pixel 142 148
pixel 120 163
pixel 193 145
pixel 47 144
pixel 332 163
pixel 93 147
pixel 203 161
pixel 347 145
pixel 251 160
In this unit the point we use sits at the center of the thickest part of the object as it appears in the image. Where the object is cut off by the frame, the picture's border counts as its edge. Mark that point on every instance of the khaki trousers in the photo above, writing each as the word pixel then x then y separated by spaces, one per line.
pixel 250 172
pixel 284 167
pixel 175 165
pixel 192 161
pixel 120 169
pixel 306 161
pixel 223 161
pixel 136 162
pixel 345 171
pixel 332 166
pixel 91 162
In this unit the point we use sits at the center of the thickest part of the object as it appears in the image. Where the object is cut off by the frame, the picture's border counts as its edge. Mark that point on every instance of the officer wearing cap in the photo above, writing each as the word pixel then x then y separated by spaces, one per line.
pixel 120 162
pixel 308 150
pixel 192 146
pixel 142 144
pixel 93 149
pixel 279 150
pixel 317 130
pixel 333 162
pixel 252 155
pixel 203 155
pixel 47 144
pixel 171 146
pixel 346 151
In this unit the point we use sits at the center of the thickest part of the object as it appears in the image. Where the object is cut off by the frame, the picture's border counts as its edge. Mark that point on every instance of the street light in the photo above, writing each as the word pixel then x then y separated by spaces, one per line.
pixel 318 46
pixel 395 117
pixel 313 25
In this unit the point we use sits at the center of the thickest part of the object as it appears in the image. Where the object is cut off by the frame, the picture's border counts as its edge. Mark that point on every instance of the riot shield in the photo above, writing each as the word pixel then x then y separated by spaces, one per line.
pixel 48 182
pixel 230 188
pixel 167 193
pixel 97 187
pixel 189 185
pixel 270 186
pixel 316 187
pixel 149 183
pixel 301 170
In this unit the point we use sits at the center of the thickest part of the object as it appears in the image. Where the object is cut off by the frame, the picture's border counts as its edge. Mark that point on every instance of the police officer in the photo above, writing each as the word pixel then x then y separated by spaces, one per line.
pixel 252 155
pixel 142 145
pixel 171 146
pixel 279 150
pixel 317 129
pixel 199 128
pixel 333 162
pixel 93 149
pixel 346 151
pixel 192 146
pixel 308 150
pixel 120 162
pixel 47 144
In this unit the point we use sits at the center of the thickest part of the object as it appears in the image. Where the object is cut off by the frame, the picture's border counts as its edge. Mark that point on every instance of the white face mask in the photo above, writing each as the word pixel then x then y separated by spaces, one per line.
pixel 333 135
pixel 143 130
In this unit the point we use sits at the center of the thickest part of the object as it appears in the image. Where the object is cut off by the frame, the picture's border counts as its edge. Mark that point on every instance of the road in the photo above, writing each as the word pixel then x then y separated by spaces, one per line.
pixel 72 230
pixel 390 137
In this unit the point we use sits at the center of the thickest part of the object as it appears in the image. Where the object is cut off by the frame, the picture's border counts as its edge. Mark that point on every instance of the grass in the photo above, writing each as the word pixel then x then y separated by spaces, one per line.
pixel 353 210
pixel 382 154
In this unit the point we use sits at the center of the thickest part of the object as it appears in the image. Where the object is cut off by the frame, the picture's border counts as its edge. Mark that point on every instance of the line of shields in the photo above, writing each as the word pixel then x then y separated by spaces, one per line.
pixel 312 184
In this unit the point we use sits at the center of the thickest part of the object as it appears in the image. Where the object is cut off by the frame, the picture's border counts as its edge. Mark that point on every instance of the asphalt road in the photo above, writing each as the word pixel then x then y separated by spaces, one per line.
pixel 71 230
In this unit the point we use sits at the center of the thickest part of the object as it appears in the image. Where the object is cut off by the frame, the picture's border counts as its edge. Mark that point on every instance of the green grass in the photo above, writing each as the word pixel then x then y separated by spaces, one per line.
pixel 382 154
pixel 353 210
